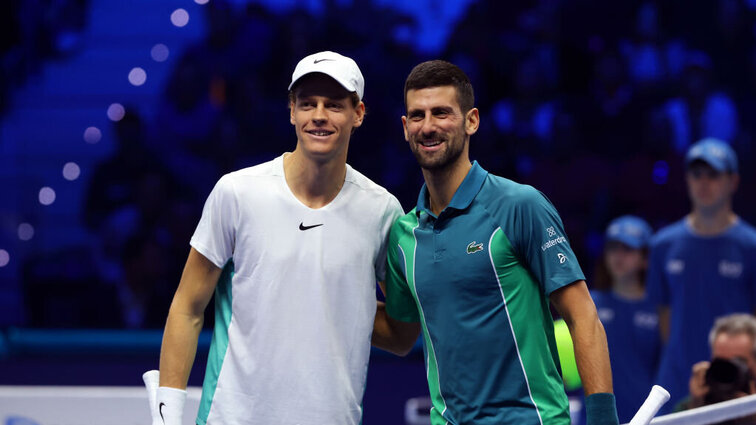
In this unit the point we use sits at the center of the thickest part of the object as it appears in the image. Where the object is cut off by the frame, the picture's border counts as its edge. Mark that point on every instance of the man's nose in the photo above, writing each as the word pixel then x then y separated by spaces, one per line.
pixel 428 127
pixel 319 115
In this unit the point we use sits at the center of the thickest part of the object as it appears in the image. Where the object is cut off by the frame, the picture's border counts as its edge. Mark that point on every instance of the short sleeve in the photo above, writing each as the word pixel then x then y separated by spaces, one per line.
pixel 541 241
pixel 216 232
pixel 657 290
pixel 391 213
pixel 400 303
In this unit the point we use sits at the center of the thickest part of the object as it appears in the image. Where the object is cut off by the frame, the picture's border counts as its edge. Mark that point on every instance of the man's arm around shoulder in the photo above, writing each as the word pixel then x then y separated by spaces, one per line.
pixel 393 335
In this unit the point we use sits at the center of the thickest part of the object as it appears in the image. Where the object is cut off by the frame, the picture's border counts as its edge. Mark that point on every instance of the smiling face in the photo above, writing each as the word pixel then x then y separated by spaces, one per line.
pixel 324 116
pixel 437 130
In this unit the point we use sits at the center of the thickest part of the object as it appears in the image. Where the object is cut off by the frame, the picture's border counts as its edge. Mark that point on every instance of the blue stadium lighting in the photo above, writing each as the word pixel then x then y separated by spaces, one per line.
pixel 116 112
pixel 180 17
pixel 137 76
pixel 46 196
pixel 4 258
pixel 159 52
pixel 25 231
pixel 660 174
pixel 71 171
pixel 92 135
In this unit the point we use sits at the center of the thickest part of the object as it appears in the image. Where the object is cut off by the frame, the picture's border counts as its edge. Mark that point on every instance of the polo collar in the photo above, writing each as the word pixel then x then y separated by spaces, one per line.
pixel 464 195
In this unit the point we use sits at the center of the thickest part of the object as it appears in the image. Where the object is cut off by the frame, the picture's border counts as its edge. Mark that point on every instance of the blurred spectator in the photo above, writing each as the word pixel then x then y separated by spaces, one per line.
pixel 32 31
pixel 731 371
pixel 731 42
pixel 611 122
pixel 147 294
pixel 701 110
pixel 702 266
pixel 532 121
pixel 630 320
pixel 653 59
pixel 128 209
pixel 184 125
pixel 114 183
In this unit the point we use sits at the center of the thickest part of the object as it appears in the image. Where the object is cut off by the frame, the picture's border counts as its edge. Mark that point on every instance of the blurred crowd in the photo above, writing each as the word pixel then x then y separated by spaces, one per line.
pixel 32 31
pixel 594 103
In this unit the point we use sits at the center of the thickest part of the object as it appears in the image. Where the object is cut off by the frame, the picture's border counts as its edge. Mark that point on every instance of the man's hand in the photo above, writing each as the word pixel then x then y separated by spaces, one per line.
pixel 697 385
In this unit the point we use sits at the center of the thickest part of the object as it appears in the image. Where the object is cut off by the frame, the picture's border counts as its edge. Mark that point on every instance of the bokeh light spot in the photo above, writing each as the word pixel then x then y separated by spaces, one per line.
pixel 46 196
pixel 25 231
pixel 160 52
pixel 71 171
pixel 137 76
pixel 4 258
pixel 116 112
pixel 92 135
pixel 180 17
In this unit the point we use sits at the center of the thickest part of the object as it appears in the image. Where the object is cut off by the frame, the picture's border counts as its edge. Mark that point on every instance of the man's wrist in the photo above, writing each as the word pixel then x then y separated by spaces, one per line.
pixel 170 405
pixel 601 409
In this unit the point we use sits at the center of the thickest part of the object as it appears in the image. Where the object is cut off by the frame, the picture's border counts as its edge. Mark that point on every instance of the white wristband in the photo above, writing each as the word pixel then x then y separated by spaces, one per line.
pixel 170 405
pixel 151 380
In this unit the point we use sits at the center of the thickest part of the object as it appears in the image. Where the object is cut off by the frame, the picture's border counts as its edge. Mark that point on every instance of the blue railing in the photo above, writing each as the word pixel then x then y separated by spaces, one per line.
pixel 23 341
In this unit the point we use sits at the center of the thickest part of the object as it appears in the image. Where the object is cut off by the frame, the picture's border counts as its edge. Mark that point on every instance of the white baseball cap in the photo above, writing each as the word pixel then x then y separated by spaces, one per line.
pixel 341 68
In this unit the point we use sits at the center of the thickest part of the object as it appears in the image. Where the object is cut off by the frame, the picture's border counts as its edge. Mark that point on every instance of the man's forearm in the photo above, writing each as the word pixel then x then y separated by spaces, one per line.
pixel 179 349
pixel 392 335
pixel 592 357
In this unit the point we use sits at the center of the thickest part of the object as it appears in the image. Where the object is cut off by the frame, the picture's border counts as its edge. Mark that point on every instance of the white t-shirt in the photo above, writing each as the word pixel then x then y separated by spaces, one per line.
pixel 294 320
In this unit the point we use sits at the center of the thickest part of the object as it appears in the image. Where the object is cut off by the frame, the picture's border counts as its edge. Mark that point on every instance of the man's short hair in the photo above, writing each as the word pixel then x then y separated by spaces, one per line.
pixel 734 324
pixel 438 73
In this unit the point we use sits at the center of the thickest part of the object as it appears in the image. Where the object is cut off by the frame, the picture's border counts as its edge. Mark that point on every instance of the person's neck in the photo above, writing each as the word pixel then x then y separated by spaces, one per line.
pixel 443 183
pixel 629 288
pixel 711 222
pixel 314 183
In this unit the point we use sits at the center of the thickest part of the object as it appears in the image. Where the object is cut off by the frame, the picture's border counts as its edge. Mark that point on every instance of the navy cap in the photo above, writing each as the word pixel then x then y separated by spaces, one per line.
pixel 714 152
pixel 630 230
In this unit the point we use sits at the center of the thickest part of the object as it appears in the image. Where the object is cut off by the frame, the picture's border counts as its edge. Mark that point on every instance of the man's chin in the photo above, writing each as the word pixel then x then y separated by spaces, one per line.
pixel 430 164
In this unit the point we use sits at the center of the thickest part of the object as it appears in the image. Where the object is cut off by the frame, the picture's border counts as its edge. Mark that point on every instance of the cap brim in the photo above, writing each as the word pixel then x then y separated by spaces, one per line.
pixel 634 243
pixel 347 86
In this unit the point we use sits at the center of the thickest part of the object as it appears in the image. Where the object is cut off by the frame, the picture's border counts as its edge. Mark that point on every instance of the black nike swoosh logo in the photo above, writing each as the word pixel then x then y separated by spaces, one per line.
pixel 160 409
pixel 303 227
pixel 321 60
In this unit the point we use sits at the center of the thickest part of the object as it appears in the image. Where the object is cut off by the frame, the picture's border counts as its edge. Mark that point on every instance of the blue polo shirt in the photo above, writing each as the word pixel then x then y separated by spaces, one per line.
pixel 477 278
pixel 699 278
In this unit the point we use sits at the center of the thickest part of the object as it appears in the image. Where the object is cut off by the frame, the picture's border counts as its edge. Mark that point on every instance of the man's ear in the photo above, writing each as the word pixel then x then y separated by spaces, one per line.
pixel 291 112
pixel 404 127
pixel 472 121
pixel 359 114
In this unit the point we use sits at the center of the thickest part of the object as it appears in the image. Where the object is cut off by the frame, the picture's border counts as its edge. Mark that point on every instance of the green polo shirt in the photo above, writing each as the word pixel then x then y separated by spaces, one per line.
pixel 477 278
